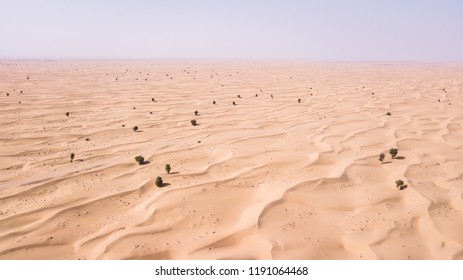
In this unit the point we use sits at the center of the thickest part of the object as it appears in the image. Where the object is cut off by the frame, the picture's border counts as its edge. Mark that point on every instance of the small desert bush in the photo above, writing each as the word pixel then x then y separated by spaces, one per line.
pixel 159 181
pixel 135 128
pixel 140 160
pixel 168 168
pixel 67 114
pixel 381 157
pixel 399 184
pixel 72 157
pixel 193 122
pixel 393 152
pixel 196 113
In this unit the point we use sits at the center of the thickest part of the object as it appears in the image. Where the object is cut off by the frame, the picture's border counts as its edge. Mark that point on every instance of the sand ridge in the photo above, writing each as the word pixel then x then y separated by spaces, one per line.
pixel 267 178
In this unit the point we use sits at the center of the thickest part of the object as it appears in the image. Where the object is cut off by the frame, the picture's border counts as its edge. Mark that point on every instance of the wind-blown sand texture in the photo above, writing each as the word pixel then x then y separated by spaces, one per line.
pixel 267 178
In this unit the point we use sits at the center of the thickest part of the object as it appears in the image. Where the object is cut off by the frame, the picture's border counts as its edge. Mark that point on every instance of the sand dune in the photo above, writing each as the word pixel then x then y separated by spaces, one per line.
pixel 267 178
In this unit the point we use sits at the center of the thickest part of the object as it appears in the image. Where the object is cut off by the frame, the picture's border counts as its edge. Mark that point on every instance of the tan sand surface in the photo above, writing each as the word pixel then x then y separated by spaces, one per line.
pixel 267 178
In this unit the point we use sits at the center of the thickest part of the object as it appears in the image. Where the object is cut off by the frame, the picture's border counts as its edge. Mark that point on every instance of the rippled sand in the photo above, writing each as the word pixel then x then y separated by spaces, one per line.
pixel 267 178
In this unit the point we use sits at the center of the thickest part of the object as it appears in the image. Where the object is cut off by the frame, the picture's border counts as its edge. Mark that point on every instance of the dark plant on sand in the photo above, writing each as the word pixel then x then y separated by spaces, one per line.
pixel 196 113
pixel 381 158
pixel 400 184
pixel 140 160
pixel 159 181
pixel 168 168
pixel 393 152
pixel 193 122
pixel 72 157
pixel 67 114
pixel 135 128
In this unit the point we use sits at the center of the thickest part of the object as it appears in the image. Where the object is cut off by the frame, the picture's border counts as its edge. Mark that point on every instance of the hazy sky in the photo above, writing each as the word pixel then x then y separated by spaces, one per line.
pixel 332 30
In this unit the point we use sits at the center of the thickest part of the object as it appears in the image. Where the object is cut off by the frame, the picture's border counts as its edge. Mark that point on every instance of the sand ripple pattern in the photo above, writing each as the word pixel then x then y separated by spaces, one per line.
pixel 267 178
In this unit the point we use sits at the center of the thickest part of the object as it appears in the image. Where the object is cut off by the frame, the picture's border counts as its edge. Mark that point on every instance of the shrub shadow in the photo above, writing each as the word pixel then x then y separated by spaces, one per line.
pixel 145 162
pixel 403 187
pixel 399 157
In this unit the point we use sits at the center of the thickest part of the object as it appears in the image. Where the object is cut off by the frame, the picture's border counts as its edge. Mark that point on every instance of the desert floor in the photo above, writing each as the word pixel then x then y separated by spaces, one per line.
pixel 267 178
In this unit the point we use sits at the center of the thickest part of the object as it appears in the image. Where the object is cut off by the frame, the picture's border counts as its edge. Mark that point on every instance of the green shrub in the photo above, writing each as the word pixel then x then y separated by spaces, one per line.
pixel 381 157
pixel 140 160
pixel 168 168
pixel 159 181
pixel 393 152
pixel 399 184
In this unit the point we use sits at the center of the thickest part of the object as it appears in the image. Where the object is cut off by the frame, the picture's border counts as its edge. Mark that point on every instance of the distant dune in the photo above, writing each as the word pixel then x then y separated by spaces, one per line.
pixel 270 177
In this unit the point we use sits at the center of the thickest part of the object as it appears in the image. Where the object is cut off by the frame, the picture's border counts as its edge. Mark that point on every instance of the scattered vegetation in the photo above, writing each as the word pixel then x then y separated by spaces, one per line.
pixel 7 94
pixel 152 99
pixel 213 102
pixel 135 128
pixel 239 96
pixel 67 114
pixel 393 152
pixel 193 122
pixel 123 125
pixel 87 139
pixel 196 113
pixel 381 158
pixel 159 181
pixel 388 113
pixel 234 103
pixel 140 160
pixel 72 157
pixel 168 168
pixel 299 100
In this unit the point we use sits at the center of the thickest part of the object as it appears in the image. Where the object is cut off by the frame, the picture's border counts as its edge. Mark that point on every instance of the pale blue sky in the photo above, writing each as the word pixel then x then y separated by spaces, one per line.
pixel 331 30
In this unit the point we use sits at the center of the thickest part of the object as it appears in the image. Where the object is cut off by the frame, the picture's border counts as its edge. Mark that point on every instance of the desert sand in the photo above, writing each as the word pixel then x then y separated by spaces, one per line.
pixel 267 178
